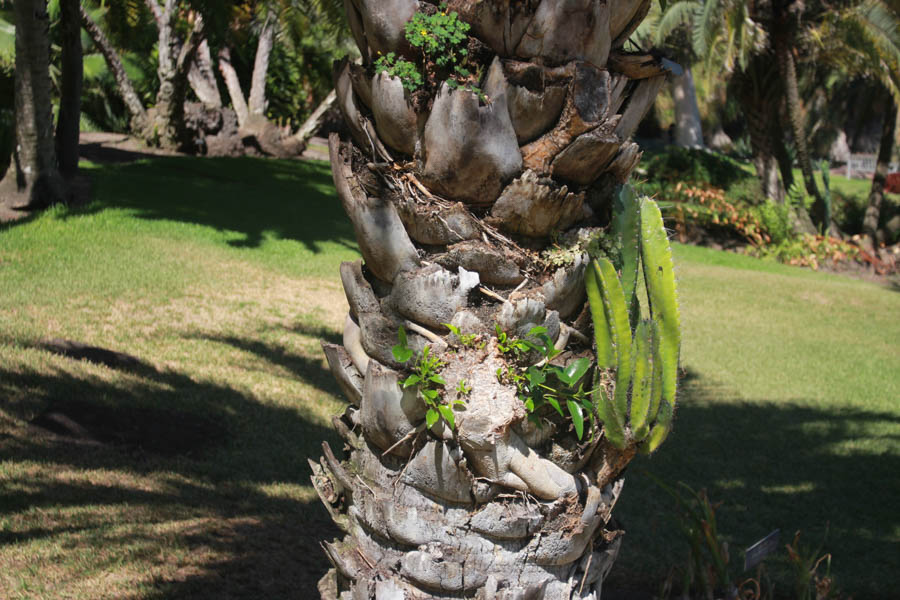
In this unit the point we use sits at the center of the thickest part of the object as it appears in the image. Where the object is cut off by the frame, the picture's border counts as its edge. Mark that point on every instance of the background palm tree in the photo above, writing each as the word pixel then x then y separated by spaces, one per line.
pixel 33 179
pixel 863 40
pixel 669 31
pixel 476 176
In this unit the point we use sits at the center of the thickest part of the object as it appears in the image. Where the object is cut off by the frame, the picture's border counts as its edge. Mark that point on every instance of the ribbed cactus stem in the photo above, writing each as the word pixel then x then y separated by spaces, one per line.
pixel 656 390
pixel 620 331
pixel 659 276
pixel 613 426
pixel 606 358
pixel 661 428
pixel 627 228
pixel 643 356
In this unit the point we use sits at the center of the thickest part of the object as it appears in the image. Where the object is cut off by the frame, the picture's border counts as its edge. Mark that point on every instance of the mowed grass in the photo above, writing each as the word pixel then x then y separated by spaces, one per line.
pixel 789 416
pixel 221 277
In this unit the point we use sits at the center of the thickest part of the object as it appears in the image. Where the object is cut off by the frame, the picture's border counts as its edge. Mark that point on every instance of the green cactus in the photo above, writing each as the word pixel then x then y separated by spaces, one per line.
pixel 643 356
pixel 619 329
pixel 613 426
pixel 642 408
pixel 627 228
pixel 605 357
pixel 660 429
pixel 659 276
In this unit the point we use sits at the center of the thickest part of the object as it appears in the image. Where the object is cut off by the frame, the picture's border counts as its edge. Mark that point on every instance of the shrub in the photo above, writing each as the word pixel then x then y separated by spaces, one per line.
pixel 848 211
pixel 708 207
pixel 746 191
pixel 696 167
pixel 807 251
pixel 775 220
pixel 892 183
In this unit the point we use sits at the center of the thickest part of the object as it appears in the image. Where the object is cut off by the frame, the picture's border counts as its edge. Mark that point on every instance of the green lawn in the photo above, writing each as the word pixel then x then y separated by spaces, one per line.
pixel 221 277
pixel 789 415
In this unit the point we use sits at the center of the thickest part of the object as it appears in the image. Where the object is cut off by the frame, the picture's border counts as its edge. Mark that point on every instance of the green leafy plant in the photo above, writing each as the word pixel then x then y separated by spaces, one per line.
pixel 691 166
pixel 401 350
pixel 805 562
pixel 546 384
pixel 635 383
pixel 518 347
pixel 441 39
pixel 808 251
pixel 440 36
pixel 468 340
pixel 711 208
pixel 428 381
pixel 707 569
pixel 775 219
pixel 407 71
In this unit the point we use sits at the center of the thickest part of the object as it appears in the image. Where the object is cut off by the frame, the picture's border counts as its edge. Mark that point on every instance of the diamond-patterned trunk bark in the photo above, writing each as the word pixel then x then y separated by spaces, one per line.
pixel 452 204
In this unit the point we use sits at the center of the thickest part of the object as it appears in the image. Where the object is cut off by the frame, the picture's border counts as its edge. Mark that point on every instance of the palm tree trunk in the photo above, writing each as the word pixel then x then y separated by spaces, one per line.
pixel 68 123
pixel 688 127
pixel 760 113
pixel 33 179
pixel 233 85
pixel 876 194
pixel 168 126
pixel 784 57
pixel 450 206
pixel 202 78
pixel 123 83
pixel 314 121
pixel 257 101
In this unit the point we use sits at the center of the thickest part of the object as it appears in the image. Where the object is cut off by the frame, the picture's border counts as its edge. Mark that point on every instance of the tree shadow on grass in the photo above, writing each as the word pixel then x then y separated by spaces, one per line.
pixel 793 465
pixel 222 509
pixel 308 369
pixel 253 197
pixel 319 332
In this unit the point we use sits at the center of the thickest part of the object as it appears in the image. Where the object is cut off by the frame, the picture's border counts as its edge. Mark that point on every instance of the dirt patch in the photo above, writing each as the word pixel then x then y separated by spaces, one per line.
pixel 154 431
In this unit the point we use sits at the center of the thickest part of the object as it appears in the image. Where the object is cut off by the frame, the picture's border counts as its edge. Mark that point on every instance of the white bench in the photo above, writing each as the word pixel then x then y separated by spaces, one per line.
pixel 864 165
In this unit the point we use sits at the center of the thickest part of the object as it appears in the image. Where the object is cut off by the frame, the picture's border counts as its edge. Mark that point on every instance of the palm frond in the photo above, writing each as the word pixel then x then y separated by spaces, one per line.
pixel 863 40
pixel 706 28
pixel 7 42
pixel 683 12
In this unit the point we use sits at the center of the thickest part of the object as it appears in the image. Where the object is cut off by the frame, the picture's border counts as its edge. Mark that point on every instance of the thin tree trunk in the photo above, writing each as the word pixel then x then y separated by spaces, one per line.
pixel 758 115
pixel 781 153
pixel 314 121
pixel 876 194
pixel 233 85
pixel 257 100
pixel 688 127
pixel 202 77
pixel 169 126
pixel 167 110
pixel 33 180
pixel 68 124
pixel 114 63
pixel 787 69
pixel 759 94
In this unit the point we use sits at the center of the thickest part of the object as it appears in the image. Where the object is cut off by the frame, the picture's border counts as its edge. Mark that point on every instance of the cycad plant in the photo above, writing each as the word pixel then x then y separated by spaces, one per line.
pixel 500 371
